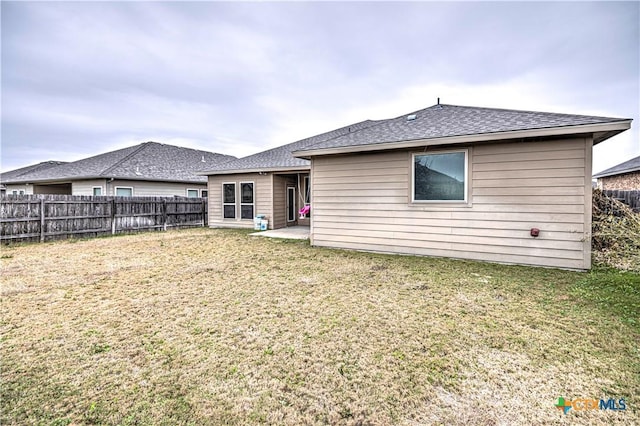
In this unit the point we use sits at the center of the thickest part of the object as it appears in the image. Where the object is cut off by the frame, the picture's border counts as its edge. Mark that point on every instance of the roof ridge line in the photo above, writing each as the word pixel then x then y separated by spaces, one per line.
pixel 374 124
pixel 142 146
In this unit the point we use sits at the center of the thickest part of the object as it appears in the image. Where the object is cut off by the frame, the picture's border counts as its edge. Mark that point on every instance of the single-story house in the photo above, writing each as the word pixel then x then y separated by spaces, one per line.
pixel 625 176
pixel 272 183
pixel 454 181
pixel 147 169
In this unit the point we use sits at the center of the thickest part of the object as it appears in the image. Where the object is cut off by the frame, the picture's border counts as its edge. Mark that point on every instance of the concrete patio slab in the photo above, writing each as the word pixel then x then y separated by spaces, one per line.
pixel 292 233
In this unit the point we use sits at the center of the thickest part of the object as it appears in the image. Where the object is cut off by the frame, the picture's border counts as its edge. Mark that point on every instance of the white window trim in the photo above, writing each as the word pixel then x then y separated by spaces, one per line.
pixel 93 190
pixel 192 189
pixel 115 191
pixel 235 204
pixel 253 187
pixel 448 202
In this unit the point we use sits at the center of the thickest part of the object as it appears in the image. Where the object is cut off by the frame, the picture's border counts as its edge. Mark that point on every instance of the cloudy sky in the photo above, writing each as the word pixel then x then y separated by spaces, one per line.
pixel 81 78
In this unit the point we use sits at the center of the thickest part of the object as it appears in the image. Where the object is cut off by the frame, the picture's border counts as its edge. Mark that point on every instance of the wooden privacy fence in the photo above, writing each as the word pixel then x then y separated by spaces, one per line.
pixel 630 198
pixel 50 217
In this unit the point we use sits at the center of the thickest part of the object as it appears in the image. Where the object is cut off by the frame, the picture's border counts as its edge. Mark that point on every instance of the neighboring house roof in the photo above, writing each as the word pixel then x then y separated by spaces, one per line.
pixel 280 158
pixel 446 124
pixel 632 165
pixel 13 174
pixel 147 161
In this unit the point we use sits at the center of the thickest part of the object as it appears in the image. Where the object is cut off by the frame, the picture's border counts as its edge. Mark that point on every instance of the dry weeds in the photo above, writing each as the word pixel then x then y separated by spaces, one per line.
pixel 616 233
pixel 215 327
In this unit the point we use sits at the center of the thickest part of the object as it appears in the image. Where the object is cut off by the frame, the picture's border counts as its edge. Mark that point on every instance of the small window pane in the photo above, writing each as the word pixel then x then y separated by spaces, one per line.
pixel 247 193
pixel 229 192
pixel 230 211
pixel 97 191
pixel 124 192
pixel 439 177
pixel 204 193
pixel 192 193
pixel 246 211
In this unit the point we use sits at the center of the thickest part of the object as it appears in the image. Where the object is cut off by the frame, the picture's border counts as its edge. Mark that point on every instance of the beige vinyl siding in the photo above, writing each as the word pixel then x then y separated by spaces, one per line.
pixel 85 187
pixel 262 187
pixel 363 202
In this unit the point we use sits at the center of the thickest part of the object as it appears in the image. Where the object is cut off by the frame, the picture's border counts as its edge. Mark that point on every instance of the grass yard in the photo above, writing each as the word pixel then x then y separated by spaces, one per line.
pixel 216 327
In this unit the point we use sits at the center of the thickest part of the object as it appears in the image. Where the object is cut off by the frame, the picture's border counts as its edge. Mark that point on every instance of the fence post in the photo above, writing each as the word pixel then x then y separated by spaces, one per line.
pixel 164 215
pixel 204 213
pixel 113 216
pixel 42 220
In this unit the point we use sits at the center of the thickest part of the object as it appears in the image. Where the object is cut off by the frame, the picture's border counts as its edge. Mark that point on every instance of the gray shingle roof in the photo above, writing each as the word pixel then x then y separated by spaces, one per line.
pixel 147 161
pixel 626 167
pixel 281 157
pixel 440 121
pixel 13 174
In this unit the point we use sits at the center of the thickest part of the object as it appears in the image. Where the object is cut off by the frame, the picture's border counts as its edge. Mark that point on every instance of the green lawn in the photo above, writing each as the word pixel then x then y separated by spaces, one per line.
pixel 216 327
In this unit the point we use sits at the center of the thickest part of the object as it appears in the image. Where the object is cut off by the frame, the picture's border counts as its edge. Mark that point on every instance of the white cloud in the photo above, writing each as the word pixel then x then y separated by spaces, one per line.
pixel 238 78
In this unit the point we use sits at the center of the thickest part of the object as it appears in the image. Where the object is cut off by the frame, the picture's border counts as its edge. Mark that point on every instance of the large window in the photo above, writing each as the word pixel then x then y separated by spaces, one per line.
pixel 229 200
pixel 124 191
pixel 246 200
pixel 440 177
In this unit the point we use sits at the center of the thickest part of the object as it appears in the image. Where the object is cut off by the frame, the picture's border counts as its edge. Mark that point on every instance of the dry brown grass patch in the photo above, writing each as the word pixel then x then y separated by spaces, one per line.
pixel 212 326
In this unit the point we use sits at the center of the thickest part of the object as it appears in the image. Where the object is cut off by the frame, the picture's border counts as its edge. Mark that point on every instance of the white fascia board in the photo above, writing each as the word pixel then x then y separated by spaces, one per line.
pixel 466 139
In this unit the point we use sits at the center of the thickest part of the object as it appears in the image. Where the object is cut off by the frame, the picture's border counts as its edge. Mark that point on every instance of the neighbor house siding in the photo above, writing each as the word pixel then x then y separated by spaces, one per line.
pixel 26 189
pixel 263 187
pixel 363 202
pixel 140 188
pixel 154 189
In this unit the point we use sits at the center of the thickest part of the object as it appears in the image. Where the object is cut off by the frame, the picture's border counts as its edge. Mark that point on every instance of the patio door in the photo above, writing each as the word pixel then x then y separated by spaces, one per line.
pixel 291 204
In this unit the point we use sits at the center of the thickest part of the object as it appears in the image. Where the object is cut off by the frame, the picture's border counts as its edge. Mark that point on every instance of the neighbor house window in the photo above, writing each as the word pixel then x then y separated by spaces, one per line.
pixel 204 193
pixel 440 177
pixel 229 200
pixel 124 191
pixel 97 190
pixel 246 200
pixel 192 193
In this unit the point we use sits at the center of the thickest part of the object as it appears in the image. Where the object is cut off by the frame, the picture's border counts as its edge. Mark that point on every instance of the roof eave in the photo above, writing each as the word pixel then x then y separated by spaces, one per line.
pixel 78 178
pixel 603 130
pixel 256 170
pixel 615 173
